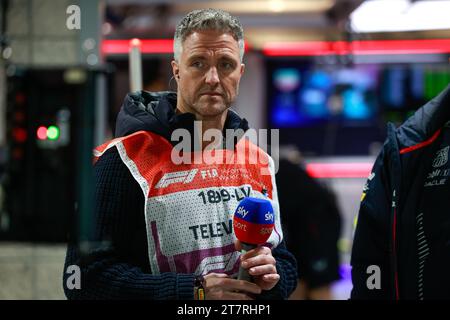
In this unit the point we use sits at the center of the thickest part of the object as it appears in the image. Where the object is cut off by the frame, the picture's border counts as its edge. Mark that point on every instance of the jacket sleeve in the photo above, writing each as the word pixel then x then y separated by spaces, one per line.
pixel 112 268
pixel 287 269
pixel 371 243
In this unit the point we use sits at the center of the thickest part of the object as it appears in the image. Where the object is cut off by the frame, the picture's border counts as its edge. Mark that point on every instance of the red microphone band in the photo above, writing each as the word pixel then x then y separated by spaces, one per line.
pixel 251 233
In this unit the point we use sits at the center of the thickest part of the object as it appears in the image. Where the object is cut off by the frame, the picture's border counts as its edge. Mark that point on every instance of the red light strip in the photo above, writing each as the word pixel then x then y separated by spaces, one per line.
pixel 148 46
pixel 307 48
pixel 339 170
pixel 368 47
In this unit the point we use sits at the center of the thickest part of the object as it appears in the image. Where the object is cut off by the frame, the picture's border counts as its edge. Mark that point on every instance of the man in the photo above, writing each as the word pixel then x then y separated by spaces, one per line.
pixel 401 248
pixel 165 226
pixel 312 226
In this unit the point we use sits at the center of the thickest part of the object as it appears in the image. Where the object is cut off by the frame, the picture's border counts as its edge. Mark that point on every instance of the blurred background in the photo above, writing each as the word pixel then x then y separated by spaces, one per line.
pixel 328 73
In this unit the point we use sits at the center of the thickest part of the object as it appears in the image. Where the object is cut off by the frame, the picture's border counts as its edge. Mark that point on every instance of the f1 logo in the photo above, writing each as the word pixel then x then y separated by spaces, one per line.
pixel 174 177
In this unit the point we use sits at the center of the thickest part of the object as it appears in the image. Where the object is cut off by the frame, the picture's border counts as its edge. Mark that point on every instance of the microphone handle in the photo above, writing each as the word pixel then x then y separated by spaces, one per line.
pixel 243 273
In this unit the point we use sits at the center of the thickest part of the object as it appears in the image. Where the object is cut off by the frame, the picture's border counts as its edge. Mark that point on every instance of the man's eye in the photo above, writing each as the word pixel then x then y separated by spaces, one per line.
pixel 227 65
pixel 198 64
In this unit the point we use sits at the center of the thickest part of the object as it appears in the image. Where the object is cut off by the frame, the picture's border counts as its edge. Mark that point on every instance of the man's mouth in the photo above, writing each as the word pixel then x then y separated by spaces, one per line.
pixel 211 94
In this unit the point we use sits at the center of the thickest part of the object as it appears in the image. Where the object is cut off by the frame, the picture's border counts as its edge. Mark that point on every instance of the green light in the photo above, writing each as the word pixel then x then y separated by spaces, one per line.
pixel 53 133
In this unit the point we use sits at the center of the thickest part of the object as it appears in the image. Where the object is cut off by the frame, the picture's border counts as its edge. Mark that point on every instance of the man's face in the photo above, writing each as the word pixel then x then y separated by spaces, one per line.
pixel 208 73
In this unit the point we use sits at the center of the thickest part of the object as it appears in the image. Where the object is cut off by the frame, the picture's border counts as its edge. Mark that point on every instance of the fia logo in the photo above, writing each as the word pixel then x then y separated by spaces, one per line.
pixel 441 157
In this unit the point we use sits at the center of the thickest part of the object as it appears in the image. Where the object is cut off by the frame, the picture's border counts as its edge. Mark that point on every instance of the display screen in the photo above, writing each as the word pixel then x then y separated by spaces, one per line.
pixel 320 108
pixel 303 94
pixel 307 95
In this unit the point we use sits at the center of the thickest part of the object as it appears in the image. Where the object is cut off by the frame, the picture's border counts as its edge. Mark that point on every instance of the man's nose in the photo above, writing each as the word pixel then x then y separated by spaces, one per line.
pixel 212 77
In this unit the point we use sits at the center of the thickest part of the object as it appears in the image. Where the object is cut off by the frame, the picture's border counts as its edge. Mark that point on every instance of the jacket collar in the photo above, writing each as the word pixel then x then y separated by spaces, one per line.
pixel 426 121
pixel 155 112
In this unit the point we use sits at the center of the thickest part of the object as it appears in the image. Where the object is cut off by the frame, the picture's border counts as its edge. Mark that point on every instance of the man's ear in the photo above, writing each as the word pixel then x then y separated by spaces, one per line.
pixel 242 68
pixel 175 70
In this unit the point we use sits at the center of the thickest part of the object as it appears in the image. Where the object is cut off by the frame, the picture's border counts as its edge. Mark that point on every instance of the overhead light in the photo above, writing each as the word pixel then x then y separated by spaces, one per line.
pixel 400 15
pixel 258 6
pixel 277 5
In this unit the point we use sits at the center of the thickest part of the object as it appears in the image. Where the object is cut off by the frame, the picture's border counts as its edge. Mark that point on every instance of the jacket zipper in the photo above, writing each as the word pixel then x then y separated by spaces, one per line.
pixel 394 245
pixel 395 192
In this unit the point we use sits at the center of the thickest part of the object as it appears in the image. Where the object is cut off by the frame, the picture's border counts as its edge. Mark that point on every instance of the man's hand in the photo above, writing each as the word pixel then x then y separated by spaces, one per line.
pixel 219 286
pixel 260 265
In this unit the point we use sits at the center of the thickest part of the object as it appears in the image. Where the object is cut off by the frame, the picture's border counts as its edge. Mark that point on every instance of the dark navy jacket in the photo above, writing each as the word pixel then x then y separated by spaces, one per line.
pixel 385 235
pixel 117 266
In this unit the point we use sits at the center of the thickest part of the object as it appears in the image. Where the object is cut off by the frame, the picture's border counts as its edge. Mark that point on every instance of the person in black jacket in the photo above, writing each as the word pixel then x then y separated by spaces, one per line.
pixel 163 230
pixel 401 247
pixel 312 225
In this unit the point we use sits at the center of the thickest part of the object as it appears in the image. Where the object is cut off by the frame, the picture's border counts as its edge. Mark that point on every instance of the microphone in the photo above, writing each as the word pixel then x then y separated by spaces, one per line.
pixel 253 222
